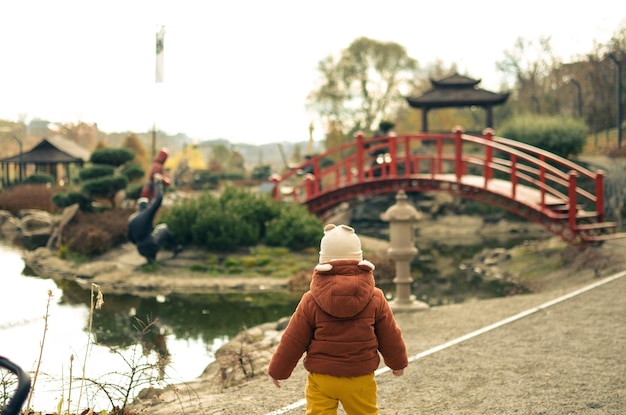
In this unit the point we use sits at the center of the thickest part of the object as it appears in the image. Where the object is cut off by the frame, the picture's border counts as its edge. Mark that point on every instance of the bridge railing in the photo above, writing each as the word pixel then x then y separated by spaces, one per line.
pixel 551 174
pixel 453 157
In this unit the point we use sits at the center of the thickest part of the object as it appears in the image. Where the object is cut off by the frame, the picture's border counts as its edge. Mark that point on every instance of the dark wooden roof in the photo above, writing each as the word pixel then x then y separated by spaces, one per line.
pixel 455 81
pixel 456 91
pixel 52 150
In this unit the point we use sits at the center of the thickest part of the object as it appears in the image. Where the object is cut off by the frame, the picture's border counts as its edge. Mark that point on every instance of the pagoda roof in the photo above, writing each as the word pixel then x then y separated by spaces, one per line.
pixel 55 149
pixel 456 91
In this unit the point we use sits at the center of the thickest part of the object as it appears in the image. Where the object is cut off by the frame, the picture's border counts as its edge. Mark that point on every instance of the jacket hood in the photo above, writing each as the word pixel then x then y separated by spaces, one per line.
pixel 342 288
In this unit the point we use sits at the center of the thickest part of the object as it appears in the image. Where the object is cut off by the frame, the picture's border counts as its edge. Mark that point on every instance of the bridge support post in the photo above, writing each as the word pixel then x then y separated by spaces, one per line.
pixel 402 218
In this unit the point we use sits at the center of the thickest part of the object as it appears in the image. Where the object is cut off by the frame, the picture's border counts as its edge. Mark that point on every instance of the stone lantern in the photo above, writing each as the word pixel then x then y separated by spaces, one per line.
pixel 402 217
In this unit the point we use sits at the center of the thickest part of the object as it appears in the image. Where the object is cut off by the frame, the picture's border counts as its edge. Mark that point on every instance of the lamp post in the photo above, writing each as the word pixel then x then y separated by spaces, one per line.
pixel 618 77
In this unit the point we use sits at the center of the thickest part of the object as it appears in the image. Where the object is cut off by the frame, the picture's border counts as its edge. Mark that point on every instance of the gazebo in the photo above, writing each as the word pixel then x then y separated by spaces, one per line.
pixel 46 157
pixel 456 91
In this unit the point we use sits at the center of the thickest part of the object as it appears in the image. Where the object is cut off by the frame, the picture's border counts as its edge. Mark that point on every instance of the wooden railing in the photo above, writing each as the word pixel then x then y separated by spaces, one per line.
pixel 457 155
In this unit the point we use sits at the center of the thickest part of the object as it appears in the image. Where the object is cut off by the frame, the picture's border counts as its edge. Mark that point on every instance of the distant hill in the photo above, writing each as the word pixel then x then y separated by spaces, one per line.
pixel 277 155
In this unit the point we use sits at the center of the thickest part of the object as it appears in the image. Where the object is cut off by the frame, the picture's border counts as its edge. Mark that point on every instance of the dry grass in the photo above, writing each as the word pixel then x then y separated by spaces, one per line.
pixel 29 196
pixel 96 233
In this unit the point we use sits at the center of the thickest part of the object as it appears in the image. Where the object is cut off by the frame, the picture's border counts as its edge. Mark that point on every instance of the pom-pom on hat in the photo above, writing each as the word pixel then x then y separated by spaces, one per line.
pixel 340 242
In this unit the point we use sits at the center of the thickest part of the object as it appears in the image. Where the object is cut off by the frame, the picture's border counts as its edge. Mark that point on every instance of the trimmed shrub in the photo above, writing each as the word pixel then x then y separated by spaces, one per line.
pixel 112 156
pixel 96 171
pixel 105 187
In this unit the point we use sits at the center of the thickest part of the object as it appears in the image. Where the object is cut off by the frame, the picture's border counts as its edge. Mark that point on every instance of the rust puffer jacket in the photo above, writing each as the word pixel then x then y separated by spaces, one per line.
pixel 341 323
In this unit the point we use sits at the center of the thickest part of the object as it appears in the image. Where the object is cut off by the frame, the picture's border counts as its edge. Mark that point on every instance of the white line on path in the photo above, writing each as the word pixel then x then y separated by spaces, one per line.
pixel 478 332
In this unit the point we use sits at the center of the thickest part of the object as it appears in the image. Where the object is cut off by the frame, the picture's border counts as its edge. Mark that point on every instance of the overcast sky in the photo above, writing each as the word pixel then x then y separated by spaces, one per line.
pixel 241 70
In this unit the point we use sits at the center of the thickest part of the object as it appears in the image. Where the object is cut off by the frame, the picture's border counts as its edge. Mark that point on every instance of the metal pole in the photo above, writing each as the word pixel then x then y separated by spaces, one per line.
pixel 537 105
pixel 618 76
pixel 21 144
pixel 153 140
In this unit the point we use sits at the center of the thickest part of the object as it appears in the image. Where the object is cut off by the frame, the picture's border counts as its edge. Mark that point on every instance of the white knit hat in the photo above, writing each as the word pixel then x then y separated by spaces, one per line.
pixel 340 242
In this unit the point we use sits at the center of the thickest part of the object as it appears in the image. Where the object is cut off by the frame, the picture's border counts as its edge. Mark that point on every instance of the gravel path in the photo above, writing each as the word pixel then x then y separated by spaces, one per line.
pixel 565 358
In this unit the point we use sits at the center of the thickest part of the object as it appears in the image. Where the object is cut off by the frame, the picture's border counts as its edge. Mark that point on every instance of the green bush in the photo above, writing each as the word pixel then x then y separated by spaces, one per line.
pixel 255 209
pixel 294 228
pixel 180 217
pixel 233 176
pixel 237 218
pixel 222 231
pixel 240 218
pixel 39 178
pixel 262 172
pixel 560 135
pixel 205 180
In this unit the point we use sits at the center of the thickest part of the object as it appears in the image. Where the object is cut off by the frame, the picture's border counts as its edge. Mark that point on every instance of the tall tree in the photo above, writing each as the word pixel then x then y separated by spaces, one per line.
pixel 364 86
pixel 528 66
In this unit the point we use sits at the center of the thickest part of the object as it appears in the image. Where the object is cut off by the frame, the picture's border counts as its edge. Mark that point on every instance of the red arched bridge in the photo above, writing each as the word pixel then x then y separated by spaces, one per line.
pixel 534 184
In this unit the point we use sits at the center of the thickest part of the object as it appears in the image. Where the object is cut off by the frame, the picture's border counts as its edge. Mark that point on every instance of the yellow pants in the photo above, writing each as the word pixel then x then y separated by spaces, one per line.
pixel 356 394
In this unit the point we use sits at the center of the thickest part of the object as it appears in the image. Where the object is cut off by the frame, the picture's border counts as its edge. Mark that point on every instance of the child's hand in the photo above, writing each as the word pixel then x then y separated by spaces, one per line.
pixel 276 382
pixel 398 372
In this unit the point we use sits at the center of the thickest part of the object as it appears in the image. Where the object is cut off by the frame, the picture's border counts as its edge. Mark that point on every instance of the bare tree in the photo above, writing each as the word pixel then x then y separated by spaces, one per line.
pixel 528 65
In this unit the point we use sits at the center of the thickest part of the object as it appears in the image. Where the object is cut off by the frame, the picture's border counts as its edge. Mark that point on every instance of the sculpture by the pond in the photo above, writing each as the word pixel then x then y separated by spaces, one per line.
pixel 149 241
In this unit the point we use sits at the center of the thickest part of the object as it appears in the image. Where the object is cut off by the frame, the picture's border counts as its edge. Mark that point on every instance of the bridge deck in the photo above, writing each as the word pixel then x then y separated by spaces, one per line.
pixel 528 195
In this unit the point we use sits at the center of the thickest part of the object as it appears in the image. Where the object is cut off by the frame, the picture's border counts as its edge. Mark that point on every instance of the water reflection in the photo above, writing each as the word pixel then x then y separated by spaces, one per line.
pixel 197 316
pixel 440 280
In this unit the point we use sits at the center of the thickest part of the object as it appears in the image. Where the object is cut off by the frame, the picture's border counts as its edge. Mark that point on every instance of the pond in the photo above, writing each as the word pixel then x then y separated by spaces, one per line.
pixel 185 330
